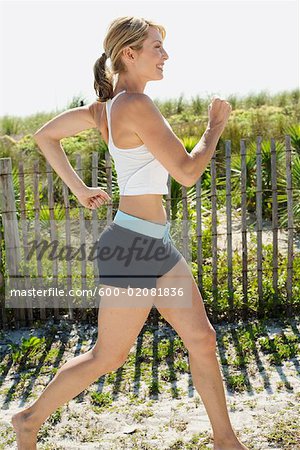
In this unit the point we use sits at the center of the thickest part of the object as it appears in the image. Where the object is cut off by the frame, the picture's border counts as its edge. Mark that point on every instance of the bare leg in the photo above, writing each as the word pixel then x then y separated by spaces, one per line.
pixel 209 384
pixel 192 325
pixel 110 352
pixel 71 379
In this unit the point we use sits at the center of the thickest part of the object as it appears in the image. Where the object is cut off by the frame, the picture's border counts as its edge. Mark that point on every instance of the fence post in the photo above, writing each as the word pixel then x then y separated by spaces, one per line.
pixel 289 190
pixel 3 318
pixel 10 228
pixel 274 220
pixel 244 226
pixel 23 223
pixel 169 198
pixel 53 234
pixel 214 233
pixel 82 238
pixel 185 216
pixel 108 169
pixel 199 236
pixel 229 228
pixel 259 225
pixel 65 191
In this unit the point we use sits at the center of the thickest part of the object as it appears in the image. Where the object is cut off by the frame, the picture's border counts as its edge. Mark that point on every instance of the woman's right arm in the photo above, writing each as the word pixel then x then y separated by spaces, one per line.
pixel 48 138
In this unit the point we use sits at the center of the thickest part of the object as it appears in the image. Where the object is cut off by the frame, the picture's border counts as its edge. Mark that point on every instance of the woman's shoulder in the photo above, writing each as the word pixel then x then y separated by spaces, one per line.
pixel 97 111
pixel 133 103
pixel 126 105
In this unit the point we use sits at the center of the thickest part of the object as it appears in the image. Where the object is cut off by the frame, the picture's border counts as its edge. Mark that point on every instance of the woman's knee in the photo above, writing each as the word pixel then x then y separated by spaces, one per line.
pixel 201 341
pixel 106 362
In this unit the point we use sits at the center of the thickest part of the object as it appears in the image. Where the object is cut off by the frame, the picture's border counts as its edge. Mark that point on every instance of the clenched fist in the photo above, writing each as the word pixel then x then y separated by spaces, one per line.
pixel 92 197
pixel 218 112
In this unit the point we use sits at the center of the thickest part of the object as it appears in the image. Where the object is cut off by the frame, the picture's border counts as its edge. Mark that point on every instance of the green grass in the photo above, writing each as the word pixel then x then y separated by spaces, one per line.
pixel 101 399
pixel 198 441
pixel 281 347
pixel 140 415
pixel 237 383
pixel 285 431
pixel 148 380
pixel 28 351
pixel 238 347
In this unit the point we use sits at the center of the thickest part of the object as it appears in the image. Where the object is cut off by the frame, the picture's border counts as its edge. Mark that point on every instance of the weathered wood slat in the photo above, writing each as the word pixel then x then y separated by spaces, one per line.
pixel 82 232
pixel 11 234
pixel 259 222
pixel 199 236
pixel 68 223
pixel 168 198
pixel 3 316
pixel 229 227
pixel 53 236
pixel 37 232
pixel 214 230
pixel 289 190
pixel 244 221
pixel 108 169
pixel 274 220
pixel 23 220
pixel 185 224
pixel 95 221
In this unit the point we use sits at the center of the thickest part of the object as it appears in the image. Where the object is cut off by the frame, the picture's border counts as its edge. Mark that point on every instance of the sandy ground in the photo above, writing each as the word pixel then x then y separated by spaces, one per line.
pixel 265 416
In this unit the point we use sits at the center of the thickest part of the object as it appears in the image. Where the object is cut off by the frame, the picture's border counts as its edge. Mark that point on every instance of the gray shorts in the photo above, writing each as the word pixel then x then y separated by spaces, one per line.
pixel 131 258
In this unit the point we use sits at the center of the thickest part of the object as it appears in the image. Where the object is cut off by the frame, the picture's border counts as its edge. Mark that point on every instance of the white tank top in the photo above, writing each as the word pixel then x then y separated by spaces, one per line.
pixel 138 172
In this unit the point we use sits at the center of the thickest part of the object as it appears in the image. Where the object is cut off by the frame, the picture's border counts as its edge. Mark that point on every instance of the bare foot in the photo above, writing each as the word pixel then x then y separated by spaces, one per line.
pixel 233 444
pixel 26 433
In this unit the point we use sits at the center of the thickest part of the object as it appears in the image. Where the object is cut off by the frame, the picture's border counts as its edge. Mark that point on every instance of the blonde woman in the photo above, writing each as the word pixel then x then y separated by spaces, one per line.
pixel 145 150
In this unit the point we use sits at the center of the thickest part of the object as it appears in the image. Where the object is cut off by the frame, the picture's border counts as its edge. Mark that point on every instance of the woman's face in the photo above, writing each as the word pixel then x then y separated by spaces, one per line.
pixel 152 55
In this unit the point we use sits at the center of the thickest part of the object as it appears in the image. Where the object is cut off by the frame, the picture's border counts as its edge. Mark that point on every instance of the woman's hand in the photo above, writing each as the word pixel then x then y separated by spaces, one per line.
pixel 92 197
pixel 218 113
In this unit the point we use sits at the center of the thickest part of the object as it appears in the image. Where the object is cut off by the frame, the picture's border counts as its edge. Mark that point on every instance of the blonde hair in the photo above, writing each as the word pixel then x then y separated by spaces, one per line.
pixel 124 31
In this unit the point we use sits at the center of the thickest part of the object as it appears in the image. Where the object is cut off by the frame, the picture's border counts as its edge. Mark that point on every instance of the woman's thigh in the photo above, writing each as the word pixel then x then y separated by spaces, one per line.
pixel 120 320
pixel 185 311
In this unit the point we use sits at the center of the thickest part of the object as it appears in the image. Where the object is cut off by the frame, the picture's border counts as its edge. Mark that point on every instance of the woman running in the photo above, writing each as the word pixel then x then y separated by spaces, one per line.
pixel 145 150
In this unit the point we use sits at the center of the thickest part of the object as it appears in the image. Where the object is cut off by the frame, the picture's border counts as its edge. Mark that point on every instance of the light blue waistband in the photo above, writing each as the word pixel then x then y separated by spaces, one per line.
pixel 143 226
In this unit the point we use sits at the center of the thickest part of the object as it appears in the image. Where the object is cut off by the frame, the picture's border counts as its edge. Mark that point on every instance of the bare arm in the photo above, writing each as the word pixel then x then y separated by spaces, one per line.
pixel 147 122
pixel 203 152
pixel 55 155
pixel 48 139
pixel 219 111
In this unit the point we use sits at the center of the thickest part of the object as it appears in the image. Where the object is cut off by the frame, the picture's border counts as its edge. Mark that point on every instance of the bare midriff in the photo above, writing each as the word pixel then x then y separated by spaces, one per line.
pixel 145 206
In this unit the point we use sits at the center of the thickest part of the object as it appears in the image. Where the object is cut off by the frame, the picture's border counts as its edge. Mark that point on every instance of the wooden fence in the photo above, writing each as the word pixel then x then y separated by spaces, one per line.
pixel 15 243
